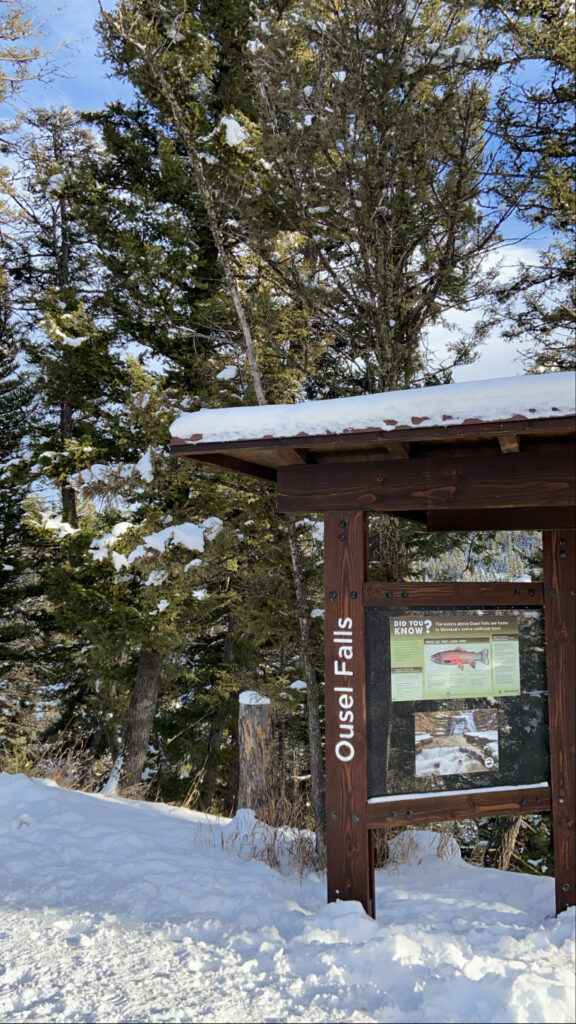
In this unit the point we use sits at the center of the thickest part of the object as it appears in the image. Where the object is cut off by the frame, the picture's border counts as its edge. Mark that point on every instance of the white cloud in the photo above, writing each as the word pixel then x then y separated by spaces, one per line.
pixel 497 358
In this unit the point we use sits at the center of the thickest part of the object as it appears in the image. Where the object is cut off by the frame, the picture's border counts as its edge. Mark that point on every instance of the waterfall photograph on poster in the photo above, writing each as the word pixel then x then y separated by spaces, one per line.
pixel 456 742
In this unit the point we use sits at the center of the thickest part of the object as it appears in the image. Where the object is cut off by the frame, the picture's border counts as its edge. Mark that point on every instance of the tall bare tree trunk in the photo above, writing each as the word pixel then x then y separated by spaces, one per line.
pixel 313 694
pixel 212 762
pixel 217 730
pixel 69 511
pixel 140 720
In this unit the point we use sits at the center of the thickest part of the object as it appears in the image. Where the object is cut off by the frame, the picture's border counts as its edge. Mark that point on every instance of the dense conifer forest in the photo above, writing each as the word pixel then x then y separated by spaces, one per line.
pixel 298 193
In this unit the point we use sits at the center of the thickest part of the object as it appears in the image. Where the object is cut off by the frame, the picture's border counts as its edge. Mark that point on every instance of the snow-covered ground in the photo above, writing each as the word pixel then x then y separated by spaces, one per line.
pixel 121 911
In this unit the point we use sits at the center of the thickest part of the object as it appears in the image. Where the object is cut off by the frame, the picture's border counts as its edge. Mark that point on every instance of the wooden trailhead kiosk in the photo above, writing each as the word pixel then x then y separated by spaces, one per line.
pixel 443 700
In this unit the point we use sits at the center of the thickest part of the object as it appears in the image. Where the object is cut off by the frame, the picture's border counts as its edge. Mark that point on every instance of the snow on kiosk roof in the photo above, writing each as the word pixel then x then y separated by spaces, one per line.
pixel 447 456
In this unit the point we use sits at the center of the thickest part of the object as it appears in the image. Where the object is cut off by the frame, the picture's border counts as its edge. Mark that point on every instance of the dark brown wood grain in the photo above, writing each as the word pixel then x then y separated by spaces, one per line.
pixel 528 479
pixel 553 518
pixel 450 807
pixel 560 618
pixel 349 855
pixel 453 595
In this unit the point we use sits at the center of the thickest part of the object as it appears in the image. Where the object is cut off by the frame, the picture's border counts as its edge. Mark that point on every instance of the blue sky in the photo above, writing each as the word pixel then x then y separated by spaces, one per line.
pixel 84 82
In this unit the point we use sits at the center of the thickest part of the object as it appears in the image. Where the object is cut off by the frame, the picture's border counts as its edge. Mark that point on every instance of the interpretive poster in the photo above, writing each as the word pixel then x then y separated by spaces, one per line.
pixel 444 657
pixel 456 699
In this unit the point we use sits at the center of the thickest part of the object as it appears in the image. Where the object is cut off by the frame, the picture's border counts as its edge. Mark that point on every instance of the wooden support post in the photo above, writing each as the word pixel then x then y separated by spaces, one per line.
pixel 560 613
pixel 348 840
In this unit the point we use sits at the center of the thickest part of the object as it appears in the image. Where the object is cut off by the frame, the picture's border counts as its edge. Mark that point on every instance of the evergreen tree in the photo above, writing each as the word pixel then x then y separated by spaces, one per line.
pixel 53 270
pixel 371 119
pixel 308 196
pixel 17 690
pixel 151 76
pixel 21 60
pixel 67 357
pixel 533 120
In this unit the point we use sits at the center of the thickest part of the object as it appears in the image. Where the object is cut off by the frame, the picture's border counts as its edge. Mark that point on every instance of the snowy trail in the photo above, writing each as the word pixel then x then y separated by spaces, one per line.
pixel 122 911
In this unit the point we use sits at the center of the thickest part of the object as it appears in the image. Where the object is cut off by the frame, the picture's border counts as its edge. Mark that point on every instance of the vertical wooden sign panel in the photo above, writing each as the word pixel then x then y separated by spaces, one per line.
pixel 349 843
pixel 560 614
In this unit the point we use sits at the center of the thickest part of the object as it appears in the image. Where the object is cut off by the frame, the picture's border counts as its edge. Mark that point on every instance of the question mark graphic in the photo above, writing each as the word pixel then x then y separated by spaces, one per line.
pixel 428 624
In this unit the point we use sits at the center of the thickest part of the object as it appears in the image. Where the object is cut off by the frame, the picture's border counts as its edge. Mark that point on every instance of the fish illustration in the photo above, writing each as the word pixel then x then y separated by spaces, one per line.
pixel 460 657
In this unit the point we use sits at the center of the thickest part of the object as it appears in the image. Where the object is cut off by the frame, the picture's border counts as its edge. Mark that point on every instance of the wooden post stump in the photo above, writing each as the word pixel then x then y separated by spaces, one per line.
pixel 255 752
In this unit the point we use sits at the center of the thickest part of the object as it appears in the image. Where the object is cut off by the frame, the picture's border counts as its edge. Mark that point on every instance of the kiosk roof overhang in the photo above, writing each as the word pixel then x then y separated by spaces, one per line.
pixel 496 454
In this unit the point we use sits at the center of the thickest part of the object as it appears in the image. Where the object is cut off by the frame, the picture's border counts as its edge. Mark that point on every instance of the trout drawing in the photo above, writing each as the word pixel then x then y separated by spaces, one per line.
pixel 460 657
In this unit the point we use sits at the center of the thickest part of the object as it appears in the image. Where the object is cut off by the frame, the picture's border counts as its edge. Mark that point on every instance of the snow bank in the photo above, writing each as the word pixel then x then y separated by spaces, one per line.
pixel 416 846
pixel 116 910
pixel 532 397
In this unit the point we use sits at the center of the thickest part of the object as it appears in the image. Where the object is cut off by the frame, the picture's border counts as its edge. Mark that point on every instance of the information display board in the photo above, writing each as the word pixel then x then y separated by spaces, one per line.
pixel 456 699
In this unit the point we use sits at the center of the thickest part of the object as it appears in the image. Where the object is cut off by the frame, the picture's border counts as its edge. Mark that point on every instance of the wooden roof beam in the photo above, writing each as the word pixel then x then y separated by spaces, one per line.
pixel 553 518
pixel 235 465
pixel 397 450
pixel 529 480
pixel 509 443
pixel 294 456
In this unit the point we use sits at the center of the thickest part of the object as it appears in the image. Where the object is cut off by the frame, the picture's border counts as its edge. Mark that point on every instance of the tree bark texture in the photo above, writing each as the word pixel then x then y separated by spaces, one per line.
pixel 140 719
pixel 212 763
pixel 313 695
pixel 502 842
pixel 256 757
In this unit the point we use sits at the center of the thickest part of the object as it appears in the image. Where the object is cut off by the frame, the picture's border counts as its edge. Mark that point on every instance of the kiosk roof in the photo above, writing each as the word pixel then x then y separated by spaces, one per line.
pixel 506 415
